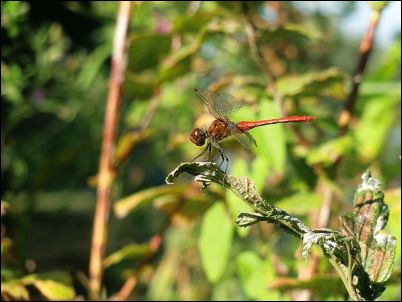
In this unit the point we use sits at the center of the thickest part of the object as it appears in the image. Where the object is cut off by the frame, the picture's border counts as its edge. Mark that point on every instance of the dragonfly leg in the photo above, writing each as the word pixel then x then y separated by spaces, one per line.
pixel 210 151
pixel 224 158
pixel 203 152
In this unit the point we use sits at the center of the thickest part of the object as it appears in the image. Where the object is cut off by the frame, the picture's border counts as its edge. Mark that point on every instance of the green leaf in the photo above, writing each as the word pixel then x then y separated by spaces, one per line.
pixel 178 62
pixel 239 168
pixel 186 24
pixel 127 204
pixel 365 224
pixel 130 251
pixel 327 153
pixel 93 65
pixel 300 203
pixel 387 67
pixel 194 207
pixel 271 140
pixel 162 284
pixel 320 284
pixel 244 188
pixel 260 171
pixel 215 241
pixel 370 218
pixel 139 85
pixel 147 50
pixel 360 245
pixel 55 286
pixel 377 5
pixel 14 289
pixel 291 32
pixel 378 116
pixel 329 81
pixel 255 275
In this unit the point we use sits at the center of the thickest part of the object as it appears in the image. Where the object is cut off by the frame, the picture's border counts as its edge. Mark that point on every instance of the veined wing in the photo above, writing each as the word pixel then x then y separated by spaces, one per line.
pixel 243 137
pixel 221 105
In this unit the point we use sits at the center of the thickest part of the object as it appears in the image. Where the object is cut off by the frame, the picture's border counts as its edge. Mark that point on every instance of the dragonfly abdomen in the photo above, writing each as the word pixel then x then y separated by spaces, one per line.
pixel 245 126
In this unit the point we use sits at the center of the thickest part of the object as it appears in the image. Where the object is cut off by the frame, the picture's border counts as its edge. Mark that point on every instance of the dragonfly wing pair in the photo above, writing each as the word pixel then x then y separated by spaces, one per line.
pixel 222 106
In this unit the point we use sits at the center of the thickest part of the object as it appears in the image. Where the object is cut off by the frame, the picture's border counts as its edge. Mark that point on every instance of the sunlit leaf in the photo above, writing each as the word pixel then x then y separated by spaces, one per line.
pixel 326 82
pixel 378 116
pixel 328 152
pixel 207 172
pixel 271 140
pixel 377 5
pixel 215 241
pixel 300 203
pixel 130 251
pixel 93 64
pixel 55 286
pixel 127 142
pixel 127 204
pixel 260 168
pixel 387 67
pixel 14 289
pixel 321 284
pixel 360 246
pixel 190 208
pixel 393 198
pixel 255 275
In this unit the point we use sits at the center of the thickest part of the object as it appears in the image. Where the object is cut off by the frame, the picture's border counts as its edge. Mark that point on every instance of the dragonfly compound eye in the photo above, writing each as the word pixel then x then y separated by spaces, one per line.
pixel 198 136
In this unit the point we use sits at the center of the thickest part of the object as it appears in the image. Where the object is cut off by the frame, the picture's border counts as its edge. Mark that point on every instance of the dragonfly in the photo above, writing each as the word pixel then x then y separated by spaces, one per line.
pixel 222 106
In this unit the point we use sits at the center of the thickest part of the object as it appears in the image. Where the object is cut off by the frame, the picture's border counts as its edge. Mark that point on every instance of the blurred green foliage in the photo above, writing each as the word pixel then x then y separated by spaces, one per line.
pixel 55 62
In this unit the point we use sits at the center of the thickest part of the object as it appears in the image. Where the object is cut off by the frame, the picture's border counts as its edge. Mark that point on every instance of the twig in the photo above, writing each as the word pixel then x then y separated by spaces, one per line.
pixel 106 169
pixel 347 112
pixel 365 50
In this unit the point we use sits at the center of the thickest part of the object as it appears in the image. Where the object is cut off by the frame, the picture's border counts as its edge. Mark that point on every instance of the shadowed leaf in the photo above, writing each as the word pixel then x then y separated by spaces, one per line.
pixel 369 217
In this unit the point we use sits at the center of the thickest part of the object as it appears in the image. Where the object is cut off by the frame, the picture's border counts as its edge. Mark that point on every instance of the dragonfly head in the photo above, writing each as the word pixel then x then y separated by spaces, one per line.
pixel 198 136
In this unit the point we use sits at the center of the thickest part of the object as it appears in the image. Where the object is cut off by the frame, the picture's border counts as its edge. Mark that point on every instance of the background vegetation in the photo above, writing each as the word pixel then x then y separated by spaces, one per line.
pixel 178 242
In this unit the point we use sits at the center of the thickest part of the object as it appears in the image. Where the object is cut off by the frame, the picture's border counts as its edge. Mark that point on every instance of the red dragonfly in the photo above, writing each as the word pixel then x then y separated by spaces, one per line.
pixel 222 106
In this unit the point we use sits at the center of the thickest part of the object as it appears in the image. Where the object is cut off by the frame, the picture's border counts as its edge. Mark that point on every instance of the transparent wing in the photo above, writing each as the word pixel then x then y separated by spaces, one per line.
pixel 243 137
pixel 221 105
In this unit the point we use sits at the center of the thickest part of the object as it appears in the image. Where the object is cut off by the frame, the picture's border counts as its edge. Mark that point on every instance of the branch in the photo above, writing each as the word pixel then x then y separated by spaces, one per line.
pixel 366 47
pixel 362 255
pixel 106 170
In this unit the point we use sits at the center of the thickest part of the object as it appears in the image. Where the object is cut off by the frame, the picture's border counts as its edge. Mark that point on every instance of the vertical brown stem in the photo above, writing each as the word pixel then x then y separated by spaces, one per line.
pixel 343 123
pixel 365 50
pixel 106 170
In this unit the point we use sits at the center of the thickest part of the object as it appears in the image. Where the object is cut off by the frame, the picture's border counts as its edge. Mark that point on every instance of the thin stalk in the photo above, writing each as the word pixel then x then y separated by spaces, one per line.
pixel 365 49
pixel 106 169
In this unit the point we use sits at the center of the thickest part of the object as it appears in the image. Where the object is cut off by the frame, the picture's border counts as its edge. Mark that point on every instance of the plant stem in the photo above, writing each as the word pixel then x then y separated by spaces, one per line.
pixel 106 169
pixel 365 49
